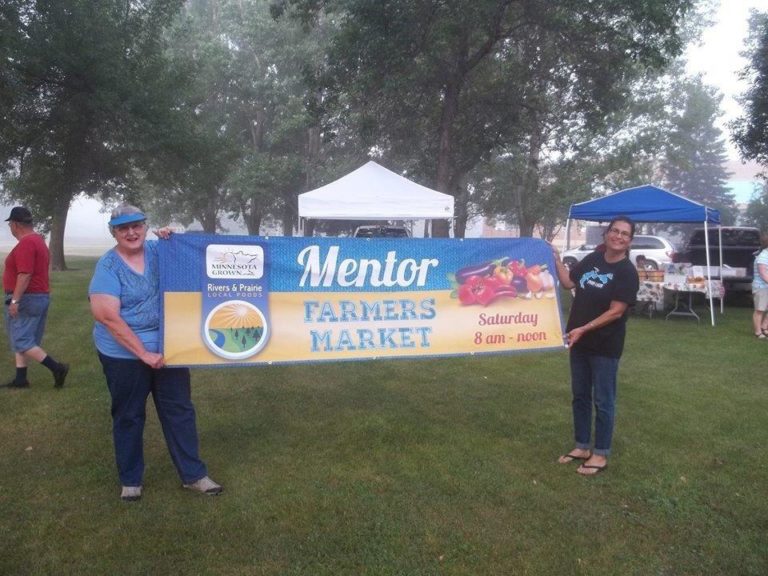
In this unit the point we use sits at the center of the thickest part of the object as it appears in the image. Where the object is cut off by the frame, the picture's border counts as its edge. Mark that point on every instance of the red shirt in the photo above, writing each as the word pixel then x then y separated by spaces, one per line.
pixel 29 256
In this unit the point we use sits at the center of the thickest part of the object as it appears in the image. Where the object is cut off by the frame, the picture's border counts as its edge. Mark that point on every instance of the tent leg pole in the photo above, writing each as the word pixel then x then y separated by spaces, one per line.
pixel 709 273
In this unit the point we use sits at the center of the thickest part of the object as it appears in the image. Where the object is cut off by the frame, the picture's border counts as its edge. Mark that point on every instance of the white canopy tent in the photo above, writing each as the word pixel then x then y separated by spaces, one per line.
pixel 374 193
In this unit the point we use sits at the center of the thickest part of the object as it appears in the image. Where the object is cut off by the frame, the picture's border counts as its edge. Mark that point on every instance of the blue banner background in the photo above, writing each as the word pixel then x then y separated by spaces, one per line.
pixel 184 255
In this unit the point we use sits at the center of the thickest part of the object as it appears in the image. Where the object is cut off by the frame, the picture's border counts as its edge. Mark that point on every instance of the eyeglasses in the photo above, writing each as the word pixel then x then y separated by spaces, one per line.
pixel 126 228
pixel 617 232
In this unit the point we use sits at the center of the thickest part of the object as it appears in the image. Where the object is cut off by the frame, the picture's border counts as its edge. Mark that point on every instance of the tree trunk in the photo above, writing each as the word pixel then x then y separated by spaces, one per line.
pixel 58 225
pixel 253 218
pixel 288 220
pixel 208 224
pixel 312 156
pixel 207 217
pixel 530 185
pixel 76 167
pixel 461 212
pixel 441 228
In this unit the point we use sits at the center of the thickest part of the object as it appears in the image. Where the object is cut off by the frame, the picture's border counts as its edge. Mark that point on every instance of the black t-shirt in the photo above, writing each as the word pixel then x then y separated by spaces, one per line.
pixel 597 284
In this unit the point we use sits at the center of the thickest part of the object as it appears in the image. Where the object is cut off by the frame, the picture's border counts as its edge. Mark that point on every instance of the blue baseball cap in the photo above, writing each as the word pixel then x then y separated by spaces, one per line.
pixel 127 219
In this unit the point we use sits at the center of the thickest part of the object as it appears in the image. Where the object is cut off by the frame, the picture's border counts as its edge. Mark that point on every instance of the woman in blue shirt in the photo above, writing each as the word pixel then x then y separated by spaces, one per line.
pixel 125 301
pixel 760 290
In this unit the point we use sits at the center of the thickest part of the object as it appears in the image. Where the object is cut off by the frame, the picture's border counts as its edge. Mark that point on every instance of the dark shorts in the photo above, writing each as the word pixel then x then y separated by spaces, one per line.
pixel 26 330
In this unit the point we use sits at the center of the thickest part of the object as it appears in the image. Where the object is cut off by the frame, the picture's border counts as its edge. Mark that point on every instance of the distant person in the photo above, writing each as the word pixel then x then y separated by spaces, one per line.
pixel 641 263
pixel 606 286
pixel 125 302
pixel 27 297
pixel 760 290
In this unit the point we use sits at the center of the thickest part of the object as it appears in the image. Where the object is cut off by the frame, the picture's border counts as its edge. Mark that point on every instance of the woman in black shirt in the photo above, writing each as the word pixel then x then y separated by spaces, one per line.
pixel 606 285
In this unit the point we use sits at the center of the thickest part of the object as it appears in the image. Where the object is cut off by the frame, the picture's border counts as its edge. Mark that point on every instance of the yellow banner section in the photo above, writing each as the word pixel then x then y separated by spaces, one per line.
pixel 312 327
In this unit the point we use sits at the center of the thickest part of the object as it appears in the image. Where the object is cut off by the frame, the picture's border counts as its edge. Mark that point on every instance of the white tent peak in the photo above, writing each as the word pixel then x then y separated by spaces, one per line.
pixel 374 193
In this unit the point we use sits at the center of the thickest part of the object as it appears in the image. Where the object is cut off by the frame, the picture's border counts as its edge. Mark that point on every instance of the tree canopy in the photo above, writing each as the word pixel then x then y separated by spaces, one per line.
pixel 440 86
pixel 206 109
pixel 82 98
pixel 750 132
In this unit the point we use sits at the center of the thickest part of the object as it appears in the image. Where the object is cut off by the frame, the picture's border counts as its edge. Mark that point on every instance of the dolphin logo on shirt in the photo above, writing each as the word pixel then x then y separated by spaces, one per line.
pixel 594 278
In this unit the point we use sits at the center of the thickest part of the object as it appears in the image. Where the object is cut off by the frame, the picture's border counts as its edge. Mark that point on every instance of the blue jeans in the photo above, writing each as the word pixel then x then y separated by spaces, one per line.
pixel 593 381
pixel 130 382
pixel 26 330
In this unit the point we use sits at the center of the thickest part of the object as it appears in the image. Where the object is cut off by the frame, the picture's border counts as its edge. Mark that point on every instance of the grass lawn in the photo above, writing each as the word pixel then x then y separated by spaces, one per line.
pixel 428 467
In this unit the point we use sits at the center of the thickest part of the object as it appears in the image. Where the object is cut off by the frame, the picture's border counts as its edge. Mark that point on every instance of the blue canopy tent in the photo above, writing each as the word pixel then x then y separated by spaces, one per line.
pixel 649 204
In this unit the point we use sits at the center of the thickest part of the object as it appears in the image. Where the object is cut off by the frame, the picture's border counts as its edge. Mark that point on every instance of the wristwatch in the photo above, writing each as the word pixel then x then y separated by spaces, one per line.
pixel 14 301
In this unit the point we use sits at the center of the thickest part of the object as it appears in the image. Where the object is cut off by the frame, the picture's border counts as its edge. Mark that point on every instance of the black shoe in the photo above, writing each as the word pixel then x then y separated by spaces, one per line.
pixel 60 375
pixel 14 384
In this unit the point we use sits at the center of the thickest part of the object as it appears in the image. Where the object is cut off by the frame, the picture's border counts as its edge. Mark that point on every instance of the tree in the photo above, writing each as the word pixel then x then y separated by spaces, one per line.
pixel 198 151
pixel 281 140
pixel 750 132
pixel 567 155
pixel 566 158
pixel 756 213
pixel 695 154
pixel 245 143
pixel 439 86
pixel 86 88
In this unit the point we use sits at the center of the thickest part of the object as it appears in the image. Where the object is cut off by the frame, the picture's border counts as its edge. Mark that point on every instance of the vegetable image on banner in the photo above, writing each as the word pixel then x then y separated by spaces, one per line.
pixel 259 300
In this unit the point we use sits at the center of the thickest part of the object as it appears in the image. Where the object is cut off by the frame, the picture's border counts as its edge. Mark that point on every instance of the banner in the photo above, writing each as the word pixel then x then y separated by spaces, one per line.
pixel 248 300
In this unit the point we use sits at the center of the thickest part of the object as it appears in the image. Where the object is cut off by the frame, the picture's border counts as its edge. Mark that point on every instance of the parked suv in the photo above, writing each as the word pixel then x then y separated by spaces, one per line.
pixel 657 251
pixel 740 243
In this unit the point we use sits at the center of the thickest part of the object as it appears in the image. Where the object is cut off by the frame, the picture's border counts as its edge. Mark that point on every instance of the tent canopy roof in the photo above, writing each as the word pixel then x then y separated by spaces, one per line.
pixel 644 204
pixel 374 193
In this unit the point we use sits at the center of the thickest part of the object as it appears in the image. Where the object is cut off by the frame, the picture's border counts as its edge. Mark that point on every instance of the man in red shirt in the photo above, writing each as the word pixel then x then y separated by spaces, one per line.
pixel 25 282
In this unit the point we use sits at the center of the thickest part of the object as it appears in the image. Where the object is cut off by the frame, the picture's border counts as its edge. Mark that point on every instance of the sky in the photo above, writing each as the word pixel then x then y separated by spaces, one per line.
pixel 717 58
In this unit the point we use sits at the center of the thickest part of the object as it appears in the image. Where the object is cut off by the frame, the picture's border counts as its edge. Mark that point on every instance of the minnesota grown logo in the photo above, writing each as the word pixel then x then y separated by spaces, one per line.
pixel 236 324
pixel 234 261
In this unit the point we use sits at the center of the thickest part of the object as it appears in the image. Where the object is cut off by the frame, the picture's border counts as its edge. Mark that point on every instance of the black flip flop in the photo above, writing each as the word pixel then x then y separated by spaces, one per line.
pixel 573 458
pixel 592 467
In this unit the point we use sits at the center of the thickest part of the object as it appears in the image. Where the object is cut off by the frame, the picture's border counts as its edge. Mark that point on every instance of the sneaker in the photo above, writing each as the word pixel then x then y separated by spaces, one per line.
pixel 130 493
pixel 14 384
pixel 60 375
pixel 205 486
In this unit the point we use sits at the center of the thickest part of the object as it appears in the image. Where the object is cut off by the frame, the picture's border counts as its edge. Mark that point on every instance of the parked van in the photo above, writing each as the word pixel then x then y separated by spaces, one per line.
pixel 656 249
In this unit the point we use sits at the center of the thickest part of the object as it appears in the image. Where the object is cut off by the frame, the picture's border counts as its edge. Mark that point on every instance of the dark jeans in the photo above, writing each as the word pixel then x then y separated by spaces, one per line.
pixel 129 383
pixel 593 381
